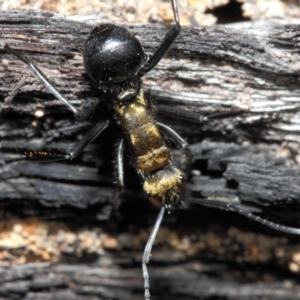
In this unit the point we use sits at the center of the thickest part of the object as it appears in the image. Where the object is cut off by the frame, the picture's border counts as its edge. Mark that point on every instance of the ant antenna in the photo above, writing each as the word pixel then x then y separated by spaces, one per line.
pixel 246 213
pixel 39 74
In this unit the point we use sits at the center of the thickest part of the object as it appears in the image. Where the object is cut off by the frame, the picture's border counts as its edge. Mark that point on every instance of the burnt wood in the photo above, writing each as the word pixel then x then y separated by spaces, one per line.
pixel 250 160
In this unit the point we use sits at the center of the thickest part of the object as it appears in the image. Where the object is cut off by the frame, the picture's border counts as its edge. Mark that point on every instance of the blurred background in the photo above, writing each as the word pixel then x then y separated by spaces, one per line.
pixel 192 12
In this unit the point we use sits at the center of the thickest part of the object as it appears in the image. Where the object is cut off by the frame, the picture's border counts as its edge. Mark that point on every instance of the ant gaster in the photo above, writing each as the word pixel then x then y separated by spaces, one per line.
pixel 115 60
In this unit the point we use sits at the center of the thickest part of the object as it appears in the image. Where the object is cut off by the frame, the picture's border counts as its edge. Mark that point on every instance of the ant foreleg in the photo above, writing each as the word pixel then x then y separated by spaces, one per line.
pixel 147 251
pixel 229 206
pixel 180 142
pixel 44 156
pixel 39 74
pixel 168 40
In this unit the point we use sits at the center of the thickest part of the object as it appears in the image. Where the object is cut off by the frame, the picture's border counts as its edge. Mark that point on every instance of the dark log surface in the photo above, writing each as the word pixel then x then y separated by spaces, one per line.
pixel 251 160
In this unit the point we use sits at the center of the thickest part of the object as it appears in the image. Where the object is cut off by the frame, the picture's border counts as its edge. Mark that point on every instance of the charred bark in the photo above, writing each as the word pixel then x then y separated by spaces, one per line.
pixel 250 160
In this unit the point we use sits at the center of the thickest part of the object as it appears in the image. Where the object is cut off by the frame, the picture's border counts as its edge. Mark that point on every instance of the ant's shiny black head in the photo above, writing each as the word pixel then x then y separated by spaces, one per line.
pixel 112 54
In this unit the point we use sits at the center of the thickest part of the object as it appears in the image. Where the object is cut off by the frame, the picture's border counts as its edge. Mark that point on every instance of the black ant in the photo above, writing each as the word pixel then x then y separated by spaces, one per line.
pixel 115 60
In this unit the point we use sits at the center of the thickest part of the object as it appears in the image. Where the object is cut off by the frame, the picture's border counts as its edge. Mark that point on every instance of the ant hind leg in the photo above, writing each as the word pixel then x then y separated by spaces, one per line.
pixel 44 156
pixel 197 117
pixel 147 251
pixel 119 172
pixel 231 207
pixel 180 142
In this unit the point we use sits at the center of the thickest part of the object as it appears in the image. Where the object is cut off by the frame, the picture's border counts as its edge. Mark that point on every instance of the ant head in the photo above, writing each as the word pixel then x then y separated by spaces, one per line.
pixel 111 54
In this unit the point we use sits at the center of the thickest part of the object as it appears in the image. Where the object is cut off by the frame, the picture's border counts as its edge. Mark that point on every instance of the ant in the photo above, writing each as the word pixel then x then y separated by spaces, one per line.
pixel 115 60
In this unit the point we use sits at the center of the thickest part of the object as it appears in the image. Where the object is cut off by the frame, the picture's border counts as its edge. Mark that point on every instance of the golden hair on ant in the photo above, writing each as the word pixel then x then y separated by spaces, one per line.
pixel 115 60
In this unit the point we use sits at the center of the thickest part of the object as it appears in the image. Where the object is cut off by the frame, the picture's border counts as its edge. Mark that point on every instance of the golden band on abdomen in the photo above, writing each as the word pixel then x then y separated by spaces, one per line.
pixel 143 136
pixel 146 138
pixel 154 160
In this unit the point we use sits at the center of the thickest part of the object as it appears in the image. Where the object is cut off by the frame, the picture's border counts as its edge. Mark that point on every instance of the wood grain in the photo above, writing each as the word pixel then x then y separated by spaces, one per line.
pixel 251 160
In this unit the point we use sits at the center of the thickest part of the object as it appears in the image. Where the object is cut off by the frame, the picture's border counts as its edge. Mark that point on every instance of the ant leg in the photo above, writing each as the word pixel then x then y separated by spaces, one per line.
pixel 147 251
pixel 246 213
pixel 44 156
pixel 39 74
pixel 120 165
pixel 165 44
pixel 119 173
pixel 196 117
pixel 88 138
pixel 181 143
